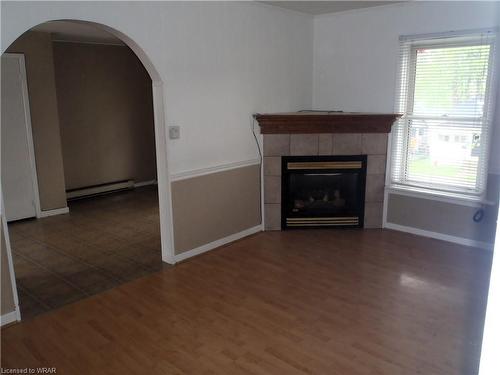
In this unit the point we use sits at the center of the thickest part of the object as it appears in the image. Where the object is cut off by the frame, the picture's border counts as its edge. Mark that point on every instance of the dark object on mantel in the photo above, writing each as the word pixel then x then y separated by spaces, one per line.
pixel 325 122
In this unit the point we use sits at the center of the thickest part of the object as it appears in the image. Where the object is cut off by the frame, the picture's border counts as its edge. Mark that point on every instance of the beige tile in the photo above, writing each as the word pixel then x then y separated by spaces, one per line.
pixel 69 270
pixel 373 215
pixel 29 305
pixel 272 166
pixel 325 144
pixel 347 144
pixel 101 286
pixel 375 188
pixel 29 274
pixel 60 264
pixel 120 267
pixel 93 281
pixel 374 143
pixel 33 250
pixel 272 189
pixel 53 256
pixel 151 260
pixel 304 144
pixel 56 292
pixel 41 255
pixel 376 164
pixel 276 144
pixel 272 216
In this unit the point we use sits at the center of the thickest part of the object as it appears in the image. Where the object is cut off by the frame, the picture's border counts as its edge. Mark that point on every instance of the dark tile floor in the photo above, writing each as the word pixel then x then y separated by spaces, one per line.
pixel 103 242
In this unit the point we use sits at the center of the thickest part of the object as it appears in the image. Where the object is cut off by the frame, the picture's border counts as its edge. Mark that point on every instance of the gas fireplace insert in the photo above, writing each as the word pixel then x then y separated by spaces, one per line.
pixel 323 191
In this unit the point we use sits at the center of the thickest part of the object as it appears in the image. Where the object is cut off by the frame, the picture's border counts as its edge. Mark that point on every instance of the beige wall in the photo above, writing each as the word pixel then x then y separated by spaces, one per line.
pixel 446 218
pixel 7 299
pixel 106 114
pixel 214 206
pixel 37 50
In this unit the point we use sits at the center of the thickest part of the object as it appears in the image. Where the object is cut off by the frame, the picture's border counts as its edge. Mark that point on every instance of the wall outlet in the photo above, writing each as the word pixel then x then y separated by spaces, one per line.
pixel 174 132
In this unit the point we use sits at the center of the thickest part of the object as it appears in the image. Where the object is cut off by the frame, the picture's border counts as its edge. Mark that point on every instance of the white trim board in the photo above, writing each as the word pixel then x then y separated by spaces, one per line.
pixel 54 212
pixel 8 318
pixel 209 170
pixel 10 263
pixel 262 201
pixel 162 164
pixel 440 236
pixel 218 243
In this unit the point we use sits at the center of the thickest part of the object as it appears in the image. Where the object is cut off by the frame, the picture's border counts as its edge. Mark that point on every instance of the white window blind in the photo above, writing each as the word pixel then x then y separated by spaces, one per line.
pixel 445 95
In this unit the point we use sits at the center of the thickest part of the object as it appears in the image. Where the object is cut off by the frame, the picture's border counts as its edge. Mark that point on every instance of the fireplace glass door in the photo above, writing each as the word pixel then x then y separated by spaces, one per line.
pixel 323 191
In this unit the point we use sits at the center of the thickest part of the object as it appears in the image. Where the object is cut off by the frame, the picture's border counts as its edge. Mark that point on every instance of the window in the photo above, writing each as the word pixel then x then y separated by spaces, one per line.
pixel 441 141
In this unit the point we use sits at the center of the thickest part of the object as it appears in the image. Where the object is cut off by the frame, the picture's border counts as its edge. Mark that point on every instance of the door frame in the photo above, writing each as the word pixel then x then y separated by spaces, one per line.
pixel 8 318
pixel 29 132
pixel 161 141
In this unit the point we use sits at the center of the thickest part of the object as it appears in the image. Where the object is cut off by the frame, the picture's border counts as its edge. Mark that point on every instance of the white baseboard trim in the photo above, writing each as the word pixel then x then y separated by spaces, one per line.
pixel 57 211
pixel 214 169
pixel 440 236
pixel 145 183
pixel 223 241
pixel 8 318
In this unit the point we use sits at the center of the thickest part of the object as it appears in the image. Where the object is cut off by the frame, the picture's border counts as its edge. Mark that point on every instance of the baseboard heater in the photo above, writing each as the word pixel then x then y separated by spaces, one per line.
pixel 101 189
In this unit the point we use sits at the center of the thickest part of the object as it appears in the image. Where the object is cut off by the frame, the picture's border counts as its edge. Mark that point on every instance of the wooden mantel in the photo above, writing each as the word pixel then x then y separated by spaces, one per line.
pixel 325 122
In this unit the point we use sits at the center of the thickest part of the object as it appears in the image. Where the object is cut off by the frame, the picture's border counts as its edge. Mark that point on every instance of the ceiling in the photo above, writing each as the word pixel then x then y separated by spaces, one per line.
pixel 77 32
pixel 322 7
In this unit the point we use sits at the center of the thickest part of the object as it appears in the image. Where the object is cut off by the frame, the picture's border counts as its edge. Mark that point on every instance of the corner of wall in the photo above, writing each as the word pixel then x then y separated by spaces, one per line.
pixel 9 305
pixel 37 49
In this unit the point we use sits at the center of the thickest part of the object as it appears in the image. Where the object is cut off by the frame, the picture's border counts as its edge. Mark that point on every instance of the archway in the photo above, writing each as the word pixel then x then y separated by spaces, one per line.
pixel 167 250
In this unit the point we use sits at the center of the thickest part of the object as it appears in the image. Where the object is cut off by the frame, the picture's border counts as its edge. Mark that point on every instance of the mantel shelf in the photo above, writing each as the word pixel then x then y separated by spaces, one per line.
pixel 325 122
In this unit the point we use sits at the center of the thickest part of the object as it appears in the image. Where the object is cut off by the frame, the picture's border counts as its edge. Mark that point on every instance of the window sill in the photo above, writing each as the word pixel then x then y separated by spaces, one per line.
pixel 453 198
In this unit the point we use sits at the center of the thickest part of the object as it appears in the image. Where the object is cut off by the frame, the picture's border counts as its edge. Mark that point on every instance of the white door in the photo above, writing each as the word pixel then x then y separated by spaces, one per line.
pixel 18 171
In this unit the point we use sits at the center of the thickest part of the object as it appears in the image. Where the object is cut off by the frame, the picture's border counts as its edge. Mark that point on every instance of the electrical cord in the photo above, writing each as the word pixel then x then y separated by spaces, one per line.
pixel 478 216
pixel 252 125
pixel 261 164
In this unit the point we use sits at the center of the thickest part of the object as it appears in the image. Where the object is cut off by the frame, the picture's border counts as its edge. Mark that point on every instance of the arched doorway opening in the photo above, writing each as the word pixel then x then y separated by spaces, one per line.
pixel 158 116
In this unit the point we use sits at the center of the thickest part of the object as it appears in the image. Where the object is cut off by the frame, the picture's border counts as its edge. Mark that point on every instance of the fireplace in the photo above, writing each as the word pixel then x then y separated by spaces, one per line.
pixel 323 191
pixel 327 140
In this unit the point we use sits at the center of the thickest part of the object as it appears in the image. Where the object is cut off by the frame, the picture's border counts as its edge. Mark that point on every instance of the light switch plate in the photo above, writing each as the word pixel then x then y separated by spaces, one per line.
pixel 174 132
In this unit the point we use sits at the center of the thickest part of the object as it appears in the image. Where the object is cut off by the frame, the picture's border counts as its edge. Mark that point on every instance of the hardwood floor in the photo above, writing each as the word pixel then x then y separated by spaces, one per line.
pixel 103 242
pixel 297 302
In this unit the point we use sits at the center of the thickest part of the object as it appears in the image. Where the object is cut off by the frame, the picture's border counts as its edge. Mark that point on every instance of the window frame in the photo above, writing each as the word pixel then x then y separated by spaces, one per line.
pixel 408 62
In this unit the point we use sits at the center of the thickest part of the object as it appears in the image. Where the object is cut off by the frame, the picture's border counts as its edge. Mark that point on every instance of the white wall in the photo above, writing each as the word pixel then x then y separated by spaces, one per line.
pixel 220 62
pixel 356 53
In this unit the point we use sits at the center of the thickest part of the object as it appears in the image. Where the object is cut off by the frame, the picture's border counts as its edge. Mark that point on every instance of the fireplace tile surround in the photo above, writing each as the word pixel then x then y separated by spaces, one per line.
pixel 374 145
pixel 325 133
